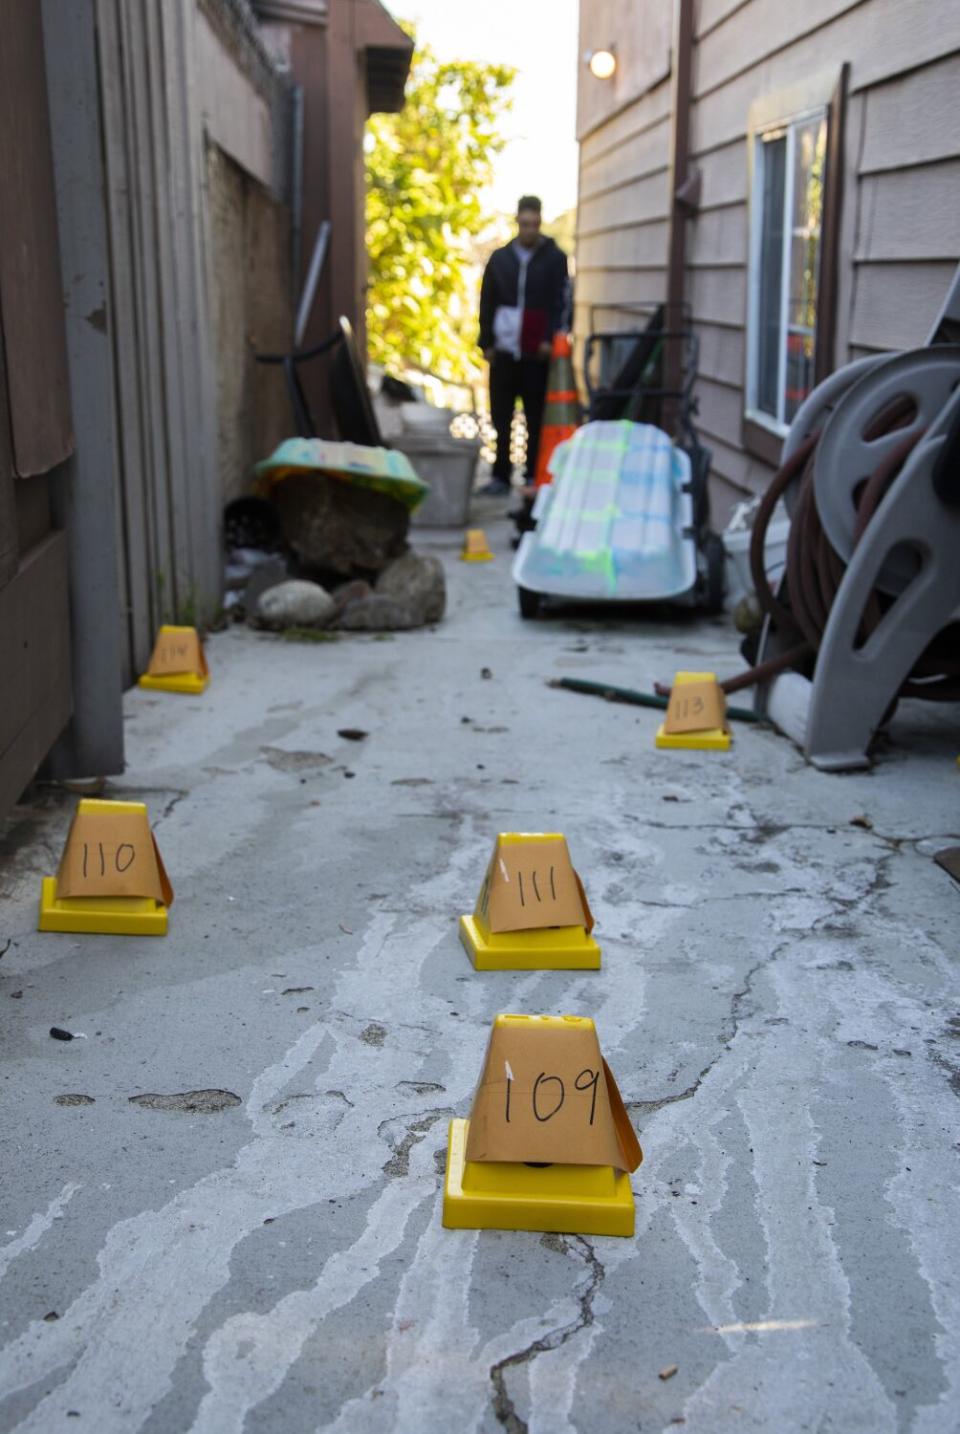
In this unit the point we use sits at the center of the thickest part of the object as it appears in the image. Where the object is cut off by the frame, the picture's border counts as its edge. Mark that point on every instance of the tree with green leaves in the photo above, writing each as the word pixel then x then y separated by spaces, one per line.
pixel 427 168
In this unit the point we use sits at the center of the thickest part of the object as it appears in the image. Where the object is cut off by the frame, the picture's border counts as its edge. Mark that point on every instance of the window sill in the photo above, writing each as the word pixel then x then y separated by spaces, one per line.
pixel 763 440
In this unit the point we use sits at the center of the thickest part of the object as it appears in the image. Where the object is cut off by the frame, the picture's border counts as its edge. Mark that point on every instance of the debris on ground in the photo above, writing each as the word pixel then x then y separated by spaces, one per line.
pixel 669 1372
pixel 352 734
pixel 59 1034
pixel 862 821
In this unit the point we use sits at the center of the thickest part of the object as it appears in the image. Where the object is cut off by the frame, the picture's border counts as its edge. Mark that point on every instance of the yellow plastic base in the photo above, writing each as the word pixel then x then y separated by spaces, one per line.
pixel 190 682
pixel 103 915
pixel 716 739
pixel 477 557
pixel 563 1199
pixel 554 948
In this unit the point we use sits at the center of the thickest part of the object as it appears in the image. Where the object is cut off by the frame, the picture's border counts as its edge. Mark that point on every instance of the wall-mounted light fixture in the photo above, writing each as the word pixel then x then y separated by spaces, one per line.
pixel 602 63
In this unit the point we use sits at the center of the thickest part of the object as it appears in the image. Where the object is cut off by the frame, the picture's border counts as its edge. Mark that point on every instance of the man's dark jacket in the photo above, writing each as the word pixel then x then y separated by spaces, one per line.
pixel 544 296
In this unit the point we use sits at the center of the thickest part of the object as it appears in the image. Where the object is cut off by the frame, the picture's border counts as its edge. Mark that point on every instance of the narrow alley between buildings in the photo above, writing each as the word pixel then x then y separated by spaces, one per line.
pixel 227 1205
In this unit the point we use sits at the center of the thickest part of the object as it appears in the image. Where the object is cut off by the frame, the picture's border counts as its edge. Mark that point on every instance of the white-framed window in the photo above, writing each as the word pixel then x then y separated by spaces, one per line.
pixel 786 208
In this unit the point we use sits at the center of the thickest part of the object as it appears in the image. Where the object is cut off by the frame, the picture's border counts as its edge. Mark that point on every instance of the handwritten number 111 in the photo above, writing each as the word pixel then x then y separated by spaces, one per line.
pixel 549 1094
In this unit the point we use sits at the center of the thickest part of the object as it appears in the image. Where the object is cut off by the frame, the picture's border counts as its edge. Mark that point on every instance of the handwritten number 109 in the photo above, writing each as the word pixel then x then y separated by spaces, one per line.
pixel 549 1094
pixel 121 860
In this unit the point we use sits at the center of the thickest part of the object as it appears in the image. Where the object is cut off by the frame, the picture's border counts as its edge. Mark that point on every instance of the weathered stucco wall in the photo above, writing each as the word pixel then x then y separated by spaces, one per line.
pixel 251 310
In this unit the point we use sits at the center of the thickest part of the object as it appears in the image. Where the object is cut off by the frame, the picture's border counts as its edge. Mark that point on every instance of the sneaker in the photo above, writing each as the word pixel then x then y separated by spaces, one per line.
pixel 496 488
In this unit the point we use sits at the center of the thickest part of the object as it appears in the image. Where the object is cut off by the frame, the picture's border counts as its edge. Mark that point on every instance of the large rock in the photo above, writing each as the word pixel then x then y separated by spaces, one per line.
pixel 376 614
pixel 351 592
pixel 338 527
pixel 410 592
pixel 418 584
pixel 295 603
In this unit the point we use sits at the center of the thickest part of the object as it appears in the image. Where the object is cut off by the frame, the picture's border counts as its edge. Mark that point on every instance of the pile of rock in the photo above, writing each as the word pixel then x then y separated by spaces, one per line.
pixel 409 592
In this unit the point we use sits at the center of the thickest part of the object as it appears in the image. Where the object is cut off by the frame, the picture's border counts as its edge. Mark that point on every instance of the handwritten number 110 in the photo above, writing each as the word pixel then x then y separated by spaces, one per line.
pixel 121 862
pixel 549 1094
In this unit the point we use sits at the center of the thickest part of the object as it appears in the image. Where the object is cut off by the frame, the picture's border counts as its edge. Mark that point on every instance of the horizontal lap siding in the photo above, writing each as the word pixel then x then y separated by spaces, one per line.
pixel 639 201
pixel 720 237
pixel 721 353
pixel 622 216
pixel 633 245
pixel 910 213
pixel 901 222
pixel 900 233
pixel 914 120
pixel 749 56
pixel 723 171
pixel 904 227
pixel 895 304
pixel 637 155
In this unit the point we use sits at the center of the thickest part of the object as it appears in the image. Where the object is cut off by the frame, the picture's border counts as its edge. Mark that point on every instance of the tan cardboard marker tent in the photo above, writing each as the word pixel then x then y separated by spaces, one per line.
pixel 532 912
pixel 111 878
pixel 177 663
pixel 549 1144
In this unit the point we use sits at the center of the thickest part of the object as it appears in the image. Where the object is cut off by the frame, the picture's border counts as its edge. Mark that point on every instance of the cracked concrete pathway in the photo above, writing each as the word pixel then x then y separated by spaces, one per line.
pixel 779 1001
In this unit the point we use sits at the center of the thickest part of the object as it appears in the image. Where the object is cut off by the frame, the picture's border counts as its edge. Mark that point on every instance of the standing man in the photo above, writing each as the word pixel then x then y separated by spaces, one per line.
pixel 521 306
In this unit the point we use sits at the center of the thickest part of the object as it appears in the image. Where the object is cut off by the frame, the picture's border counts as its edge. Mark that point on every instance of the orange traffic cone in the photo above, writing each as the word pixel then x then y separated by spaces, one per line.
pixel 561 417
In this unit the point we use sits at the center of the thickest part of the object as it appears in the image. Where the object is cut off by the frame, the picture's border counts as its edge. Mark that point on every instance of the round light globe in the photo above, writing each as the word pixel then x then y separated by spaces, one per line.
pixel 602 64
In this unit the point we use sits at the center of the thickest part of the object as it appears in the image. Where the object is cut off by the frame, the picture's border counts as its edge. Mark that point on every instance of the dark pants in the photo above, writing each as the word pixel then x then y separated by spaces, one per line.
pixel 511 379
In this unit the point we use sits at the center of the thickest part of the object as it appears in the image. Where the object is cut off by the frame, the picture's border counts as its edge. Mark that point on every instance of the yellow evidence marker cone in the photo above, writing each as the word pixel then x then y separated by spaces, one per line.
pixel 476 549
pixel 532 913
pixel 696 715
pixel 549 1144
pixel 178 663
pixel 111 879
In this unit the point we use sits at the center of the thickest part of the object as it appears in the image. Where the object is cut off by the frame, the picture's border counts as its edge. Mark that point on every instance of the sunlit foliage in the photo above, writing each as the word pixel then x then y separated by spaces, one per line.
pixel 427 169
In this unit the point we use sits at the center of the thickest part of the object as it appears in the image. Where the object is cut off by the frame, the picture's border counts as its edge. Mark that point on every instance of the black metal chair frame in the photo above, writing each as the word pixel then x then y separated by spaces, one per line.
pixel 350 396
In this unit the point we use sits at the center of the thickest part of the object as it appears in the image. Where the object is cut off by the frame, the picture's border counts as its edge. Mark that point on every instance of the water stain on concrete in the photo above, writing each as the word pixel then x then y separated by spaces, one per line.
pixel 284 761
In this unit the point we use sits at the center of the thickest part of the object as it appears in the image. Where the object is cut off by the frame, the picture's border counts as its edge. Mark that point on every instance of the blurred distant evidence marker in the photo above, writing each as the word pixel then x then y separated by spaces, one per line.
pixel 178 663
pixel 696 714
pixel 549 1144
pixel 112 880
pixel 532 913
pixel 476 549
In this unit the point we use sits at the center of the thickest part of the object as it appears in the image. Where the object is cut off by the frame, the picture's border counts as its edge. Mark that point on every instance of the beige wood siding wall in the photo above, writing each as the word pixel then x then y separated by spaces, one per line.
pixel 623 125
pixel 623 211
pixel 900 233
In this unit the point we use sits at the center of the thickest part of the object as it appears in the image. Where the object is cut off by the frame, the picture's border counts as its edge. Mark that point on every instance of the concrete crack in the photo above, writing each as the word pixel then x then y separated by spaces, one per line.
pixel 503 1406
pixel 173 802
pixel 728 1034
